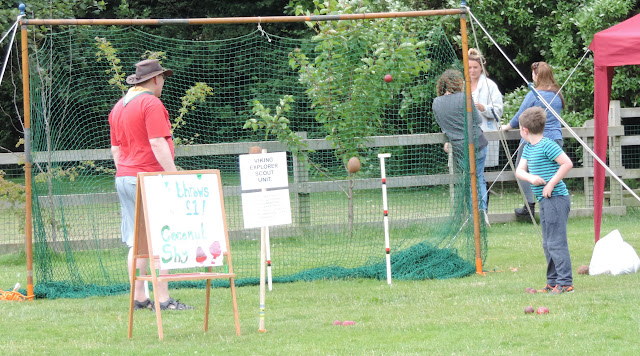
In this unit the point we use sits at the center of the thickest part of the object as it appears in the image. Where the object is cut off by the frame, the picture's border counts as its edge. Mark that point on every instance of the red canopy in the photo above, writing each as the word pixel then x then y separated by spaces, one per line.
pixel 616 46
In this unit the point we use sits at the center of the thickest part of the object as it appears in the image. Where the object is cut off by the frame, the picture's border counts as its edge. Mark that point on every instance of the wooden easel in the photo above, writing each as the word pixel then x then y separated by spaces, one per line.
pixel 143 248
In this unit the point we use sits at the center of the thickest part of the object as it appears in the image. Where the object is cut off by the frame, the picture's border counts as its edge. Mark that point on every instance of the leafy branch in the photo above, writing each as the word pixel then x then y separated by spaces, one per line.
pixel 58 172
pixel 108 53
pixel 196 94
pixel 159 55
pixel 278 126
pixel 10 191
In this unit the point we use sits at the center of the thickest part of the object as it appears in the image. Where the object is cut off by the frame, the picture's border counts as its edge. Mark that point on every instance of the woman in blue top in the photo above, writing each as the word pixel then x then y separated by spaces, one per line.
pixel 548 89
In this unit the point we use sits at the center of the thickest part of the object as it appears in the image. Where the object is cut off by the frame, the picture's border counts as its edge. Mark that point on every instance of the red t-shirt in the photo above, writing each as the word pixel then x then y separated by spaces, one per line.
pixel 132 125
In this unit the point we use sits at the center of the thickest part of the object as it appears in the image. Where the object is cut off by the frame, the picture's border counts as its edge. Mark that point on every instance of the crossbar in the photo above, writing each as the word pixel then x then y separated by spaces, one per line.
pixel 239 20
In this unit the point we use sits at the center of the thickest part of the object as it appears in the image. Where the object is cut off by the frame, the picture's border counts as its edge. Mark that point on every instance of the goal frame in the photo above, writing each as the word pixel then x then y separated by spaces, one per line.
pixel 25 23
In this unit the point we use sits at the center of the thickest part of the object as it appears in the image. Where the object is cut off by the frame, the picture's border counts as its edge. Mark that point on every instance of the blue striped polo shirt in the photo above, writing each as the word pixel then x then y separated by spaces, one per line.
pixel 541 162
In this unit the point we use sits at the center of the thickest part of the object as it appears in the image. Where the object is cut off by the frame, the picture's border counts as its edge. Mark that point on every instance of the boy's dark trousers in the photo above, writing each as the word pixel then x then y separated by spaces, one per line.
pixel 554 213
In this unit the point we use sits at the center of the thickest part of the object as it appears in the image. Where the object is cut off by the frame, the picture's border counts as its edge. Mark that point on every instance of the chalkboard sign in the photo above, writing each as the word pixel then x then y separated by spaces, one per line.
pixel 185 219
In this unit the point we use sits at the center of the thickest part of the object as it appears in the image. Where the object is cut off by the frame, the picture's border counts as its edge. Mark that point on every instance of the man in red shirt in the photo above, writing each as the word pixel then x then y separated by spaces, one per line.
pixel 141 142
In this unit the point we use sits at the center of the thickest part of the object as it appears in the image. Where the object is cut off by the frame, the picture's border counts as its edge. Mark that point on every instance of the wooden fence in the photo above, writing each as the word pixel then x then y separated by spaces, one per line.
pixel 302 187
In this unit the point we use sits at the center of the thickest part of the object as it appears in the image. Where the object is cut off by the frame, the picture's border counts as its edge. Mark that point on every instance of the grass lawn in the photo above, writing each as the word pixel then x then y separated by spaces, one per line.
pixel 467 316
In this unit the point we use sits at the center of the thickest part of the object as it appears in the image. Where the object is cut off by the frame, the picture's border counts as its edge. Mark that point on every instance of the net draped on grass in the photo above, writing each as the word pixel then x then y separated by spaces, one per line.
pixel 420 261
pixel 77 250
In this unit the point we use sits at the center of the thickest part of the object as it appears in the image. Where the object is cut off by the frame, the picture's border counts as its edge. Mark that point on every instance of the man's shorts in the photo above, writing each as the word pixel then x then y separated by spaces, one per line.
pixel 126 188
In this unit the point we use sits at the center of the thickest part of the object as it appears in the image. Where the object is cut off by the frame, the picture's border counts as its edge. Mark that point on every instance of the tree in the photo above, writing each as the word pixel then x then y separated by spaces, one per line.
pixel 557 32
pixel 11 113
pixel 344 73
pixel 206 8
pixel 11 96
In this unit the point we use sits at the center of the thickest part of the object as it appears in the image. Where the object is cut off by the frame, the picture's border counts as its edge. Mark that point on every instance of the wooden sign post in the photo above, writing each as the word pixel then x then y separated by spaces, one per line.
pixel 181 223
pixel 266 207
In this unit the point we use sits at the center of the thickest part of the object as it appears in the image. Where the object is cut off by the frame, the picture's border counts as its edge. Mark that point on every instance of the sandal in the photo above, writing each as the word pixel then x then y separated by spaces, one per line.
pixel 173 304
pixel 147 304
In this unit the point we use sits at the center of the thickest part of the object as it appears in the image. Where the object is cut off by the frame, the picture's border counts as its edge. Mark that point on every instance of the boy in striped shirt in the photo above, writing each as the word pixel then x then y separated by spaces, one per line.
pixel 544 164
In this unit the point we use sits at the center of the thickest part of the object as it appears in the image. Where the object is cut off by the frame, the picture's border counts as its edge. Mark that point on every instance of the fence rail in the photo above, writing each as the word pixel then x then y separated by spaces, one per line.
pixel 301 185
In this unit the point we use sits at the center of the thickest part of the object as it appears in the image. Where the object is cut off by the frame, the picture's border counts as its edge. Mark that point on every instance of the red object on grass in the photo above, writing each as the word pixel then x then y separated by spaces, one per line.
pixel 542 310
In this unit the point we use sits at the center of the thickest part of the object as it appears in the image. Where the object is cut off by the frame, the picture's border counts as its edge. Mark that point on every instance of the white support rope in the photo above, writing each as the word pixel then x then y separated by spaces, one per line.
pixel 555 114
pixel 584 145
pixel 503 139
pixel 484 70
pixel 496 44
pixel 9 30
pixel 263 32
pixel 572 71
pixel 13 30
pixel 506 148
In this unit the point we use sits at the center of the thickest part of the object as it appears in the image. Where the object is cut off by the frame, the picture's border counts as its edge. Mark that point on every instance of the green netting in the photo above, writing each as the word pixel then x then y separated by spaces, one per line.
pixel 630 153
pixel 337 90
pixel 12 210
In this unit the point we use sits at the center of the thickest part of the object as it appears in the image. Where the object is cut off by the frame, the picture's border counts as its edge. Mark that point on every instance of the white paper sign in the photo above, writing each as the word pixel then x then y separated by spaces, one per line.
pixel 269 208
pixel 265 170
pixel 185 219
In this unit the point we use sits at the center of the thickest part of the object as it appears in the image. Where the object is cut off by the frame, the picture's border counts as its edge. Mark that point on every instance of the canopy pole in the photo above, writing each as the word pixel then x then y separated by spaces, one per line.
pixel 470 131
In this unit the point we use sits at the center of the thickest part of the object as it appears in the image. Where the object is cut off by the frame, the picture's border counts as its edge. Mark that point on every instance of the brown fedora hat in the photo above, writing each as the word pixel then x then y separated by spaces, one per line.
pixel 146 70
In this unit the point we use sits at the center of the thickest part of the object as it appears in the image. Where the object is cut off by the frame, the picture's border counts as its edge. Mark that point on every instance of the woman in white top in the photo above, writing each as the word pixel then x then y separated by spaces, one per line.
pixel 488 101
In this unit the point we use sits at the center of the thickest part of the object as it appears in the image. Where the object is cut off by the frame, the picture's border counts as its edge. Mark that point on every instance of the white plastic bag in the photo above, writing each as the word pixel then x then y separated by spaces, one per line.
pixel 612 255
